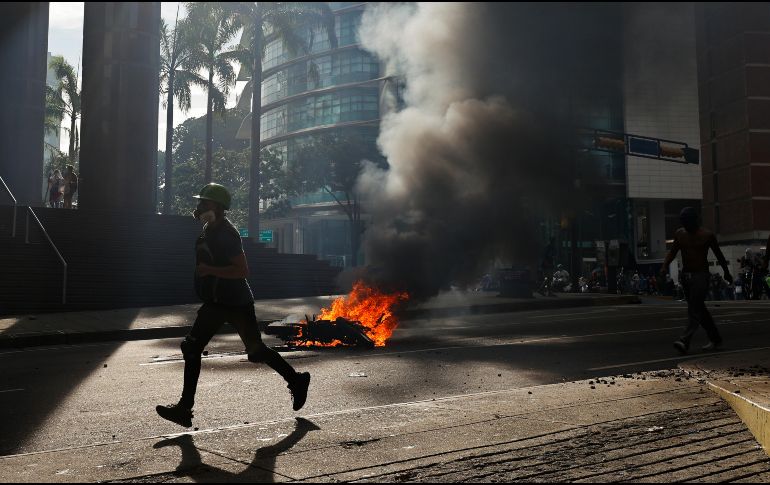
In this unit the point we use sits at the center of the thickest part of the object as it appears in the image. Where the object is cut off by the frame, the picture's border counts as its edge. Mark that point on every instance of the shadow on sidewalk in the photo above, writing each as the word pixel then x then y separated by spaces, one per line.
pixel 261 469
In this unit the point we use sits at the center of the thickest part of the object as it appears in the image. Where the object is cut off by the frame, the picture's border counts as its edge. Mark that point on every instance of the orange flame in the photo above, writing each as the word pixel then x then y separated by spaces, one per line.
pixel 313 343
pixel 369 306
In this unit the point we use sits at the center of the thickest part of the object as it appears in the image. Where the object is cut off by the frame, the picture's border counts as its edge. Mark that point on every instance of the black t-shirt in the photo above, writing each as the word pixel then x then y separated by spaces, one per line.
pixel 217 246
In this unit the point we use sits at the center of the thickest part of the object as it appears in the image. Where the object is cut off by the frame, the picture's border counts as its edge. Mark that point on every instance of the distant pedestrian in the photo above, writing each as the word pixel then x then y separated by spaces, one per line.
pixel 70 186
pixel 220 281
pixel 635 280
pixel 55 189
pixel 694 242
pixel 670 286
pixel 739 291
pixel 652 285
pixel 730 291
pixel 764 267
pixel 546 269
pixel 766 259
pixel 642 285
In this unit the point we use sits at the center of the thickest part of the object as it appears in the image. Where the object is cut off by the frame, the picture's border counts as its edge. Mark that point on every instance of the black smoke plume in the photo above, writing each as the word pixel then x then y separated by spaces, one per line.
pixel 485 145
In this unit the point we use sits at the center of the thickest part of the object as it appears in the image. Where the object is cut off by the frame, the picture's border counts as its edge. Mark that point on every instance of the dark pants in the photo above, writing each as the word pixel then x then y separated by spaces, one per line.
pixel 696 287
pixel 210 319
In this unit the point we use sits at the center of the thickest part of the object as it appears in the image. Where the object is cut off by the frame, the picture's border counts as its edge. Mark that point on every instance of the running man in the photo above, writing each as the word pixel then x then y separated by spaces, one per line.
pixel 220 281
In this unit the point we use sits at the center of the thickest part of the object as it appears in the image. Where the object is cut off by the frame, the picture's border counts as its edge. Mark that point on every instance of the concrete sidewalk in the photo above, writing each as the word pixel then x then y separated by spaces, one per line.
pixel 622 428
pixel 652 426
pixel 174 321
pixel 742 379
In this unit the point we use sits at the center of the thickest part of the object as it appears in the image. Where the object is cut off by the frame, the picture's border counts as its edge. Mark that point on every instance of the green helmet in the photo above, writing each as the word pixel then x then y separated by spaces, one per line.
pixel 217 193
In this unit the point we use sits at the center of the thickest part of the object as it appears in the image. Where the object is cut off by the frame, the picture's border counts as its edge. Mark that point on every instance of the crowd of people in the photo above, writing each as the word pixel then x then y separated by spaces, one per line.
pixel 752 282
pixel 693 283
pixel 62 188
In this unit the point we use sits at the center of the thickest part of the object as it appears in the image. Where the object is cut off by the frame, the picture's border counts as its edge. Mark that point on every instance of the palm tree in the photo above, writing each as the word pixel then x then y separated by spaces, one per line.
pixel 175 82
pixel 281 20
pixel 54 114
pixel 213 26
pixel 66 100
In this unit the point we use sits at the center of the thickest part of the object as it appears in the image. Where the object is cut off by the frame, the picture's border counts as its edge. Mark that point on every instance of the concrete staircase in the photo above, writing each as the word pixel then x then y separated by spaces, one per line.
pixel 126 260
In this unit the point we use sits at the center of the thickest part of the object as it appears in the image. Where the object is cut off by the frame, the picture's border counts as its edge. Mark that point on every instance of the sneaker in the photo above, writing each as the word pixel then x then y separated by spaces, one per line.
pixel 176 414
pixel 712 346
pixel 681 347
pixel 298 389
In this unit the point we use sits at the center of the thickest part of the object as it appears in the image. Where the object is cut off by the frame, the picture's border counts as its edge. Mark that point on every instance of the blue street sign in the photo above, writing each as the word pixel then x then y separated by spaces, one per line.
pixel 641 145
pixel 266 236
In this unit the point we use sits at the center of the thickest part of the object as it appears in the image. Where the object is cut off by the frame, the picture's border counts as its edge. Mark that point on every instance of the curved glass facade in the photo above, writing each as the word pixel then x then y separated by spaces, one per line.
pixel 348 66
pixel 288 148
pixel 345 26
pixel 321 109
pixel 329 89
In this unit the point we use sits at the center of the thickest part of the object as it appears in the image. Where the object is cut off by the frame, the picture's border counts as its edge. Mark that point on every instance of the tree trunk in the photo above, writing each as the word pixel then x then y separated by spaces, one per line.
pixel 167 191
pixel 355 232
pixel 575 257
pixel 256 112
pixel 73 135
pixel 209 128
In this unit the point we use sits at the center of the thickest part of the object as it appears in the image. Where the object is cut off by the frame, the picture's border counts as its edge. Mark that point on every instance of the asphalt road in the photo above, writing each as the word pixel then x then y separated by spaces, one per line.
pixel 69 396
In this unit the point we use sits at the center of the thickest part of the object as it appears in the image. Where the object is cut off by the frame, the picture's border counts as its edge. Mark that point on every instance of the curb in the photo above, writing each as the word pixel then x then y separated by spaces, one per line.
pixel 753 415
pixel 152 333
pixel 74 338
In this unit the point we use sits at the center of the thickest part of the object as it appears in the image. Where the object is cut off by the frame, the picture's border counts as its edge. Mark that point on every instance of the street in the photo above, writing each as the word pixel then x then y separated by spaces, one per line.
pixel 70 397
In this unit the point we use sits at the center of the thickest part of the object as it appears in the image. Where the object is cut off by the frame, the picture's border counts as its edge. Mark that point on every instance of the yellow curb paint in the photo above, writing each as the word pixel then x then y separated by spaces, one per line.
pixel 754 416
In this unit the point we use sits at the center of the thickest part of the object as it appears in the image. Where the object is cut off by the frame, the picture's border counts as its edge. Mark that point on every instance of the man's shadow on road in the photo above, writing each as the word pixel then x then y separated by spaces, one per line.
pixel 193 467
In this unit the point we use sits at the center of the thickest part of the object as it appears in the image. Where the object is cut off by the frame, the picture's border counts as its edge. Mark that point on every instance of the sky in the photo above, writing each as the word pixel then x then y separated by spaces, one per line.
pixel 65 37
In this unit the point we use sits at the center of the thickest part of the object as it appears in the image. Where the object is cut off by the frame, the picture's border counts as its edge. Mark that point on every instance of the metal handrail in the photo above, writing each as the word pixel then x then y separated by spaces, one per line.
pixel 15 204
pixel 63 262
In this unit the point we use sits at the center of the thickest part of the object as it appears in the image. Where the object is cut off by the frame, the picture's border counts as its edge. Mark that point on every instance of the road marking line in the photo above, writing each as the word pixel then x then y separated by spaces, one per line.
pixel 601 310
pixel 62 347
pixel 643 314
pixel 205 357
pixel 541 339
pixel 391 352
pixel 689 356
pixel 717 315
pixel 12 390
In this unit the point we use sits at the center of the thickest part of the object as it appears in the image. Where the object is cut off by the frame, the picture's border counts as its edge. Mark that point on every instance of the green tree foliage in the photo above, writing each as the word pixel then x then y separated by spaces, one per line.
pixel 213 27
pixel 332 162
pixel 230 167
pixel 284 21
pixel 176 79
pixel 66 100
pixel 57 105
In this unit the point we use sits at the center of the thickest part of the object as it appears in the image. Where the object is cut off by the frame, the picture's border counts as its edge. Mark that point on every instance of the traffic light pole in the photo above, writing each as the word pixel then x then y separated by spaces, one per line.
pixel 637 146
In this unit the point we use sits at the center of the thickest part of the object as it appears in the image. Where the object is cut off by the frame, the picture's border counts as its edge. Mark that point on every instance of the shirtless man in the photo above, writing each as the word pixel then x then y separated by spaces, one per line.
pixel 695 241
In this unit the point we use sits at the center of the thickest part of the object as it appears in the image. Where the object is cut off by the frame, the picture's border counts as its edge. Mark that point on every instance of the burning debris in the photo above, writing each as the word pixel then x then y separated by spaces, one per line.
pixel 362 318
pixel 322 333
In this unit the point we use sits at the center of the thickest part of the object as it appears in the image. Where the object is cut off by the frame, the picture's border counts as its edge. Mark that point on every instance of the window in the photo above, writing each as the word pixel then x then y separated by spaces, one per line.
pixel 340 68
pixel 347 28
pixel 354 104
pixel 274 54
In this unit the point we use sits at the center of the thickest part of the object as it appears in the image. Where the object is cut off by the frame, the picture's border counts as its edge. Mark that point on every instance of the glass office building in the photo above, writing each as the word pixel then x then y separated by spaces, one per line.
pixel 308 93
